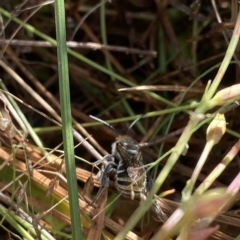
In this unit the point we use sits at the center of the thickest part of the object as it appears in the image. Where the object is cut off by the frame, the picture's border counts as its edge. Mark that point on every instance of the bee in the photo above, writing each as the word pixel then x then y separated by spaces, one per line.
pixel 131 178
pixel 126 161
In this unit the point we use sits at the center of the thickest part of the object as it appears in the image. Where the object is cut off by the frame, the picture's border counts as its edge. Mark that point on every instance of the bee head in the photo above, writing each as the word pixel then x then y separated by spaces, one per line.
pixel 126 143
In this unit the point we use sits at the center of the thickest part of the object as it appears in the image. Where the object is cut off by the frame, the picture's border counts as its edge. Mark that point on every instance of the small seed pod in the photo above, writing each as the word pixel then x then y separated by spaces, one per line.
pixel 216 129
pixel 226 95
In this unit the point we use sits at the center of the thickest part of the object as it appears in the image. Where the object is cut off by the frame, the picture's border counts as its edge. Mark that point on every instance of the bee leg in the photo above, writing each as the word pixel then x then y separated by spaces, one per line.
pixel 108 166
pixel 143 196
pixel 104 180
pixel 104 161
pixel 111 167
pixel 96 197
pixel 149 184
pixel 132 192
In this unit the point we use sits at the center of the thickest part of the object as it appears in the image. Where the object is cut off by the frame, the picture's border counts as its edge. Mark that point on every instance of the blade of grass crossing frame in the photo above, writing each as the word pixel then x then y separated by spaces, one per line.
pixel 66 118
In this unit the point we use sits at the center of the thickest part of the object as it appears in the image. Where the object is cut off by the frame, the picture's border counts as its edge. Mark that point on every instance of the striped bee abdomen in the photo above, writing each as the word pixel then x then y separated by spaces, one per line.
pixel 131 182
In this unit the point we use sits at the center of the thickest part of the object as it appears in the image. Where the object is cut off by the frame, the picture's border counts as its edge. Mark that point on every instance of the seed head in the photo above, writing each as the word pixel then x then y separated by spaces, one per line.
pixel 226 95
pixel 216 129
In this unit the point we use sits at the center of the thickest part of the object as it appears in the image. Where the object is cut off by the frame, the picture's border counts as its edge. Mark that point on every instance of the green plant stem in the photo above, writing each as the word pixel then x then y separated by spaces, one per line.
pixel 183 140
pixel 6 214
pixel 216 172
pixel 187 191
pixel 67 119
pixel 226 61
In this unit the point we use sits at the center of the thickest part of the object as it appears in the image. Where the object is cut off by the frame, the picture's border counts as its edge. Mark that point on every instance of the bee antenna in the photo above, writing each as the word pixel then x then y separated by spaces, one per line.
pixel 133 123
pixel 105 123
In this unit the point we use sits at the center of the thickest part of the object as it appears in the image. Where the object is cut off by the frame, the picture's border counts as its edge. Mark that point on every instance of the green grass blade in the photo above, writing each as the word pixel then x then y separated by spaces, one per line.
pixel 67 119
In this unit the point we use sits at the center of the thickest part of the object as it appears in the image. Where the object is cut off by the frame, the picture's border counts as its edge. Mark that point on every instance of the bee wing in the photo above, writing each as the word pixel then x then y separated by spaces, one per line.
pixel 125 155
pixel 134 172
pixel 130 153
pixel 133 160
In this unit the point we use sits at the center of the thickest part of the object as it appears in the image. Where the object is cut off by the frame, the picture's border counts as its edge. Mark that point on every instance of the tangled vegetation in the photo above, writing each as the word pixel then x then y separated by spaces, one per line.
pixel 164 73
